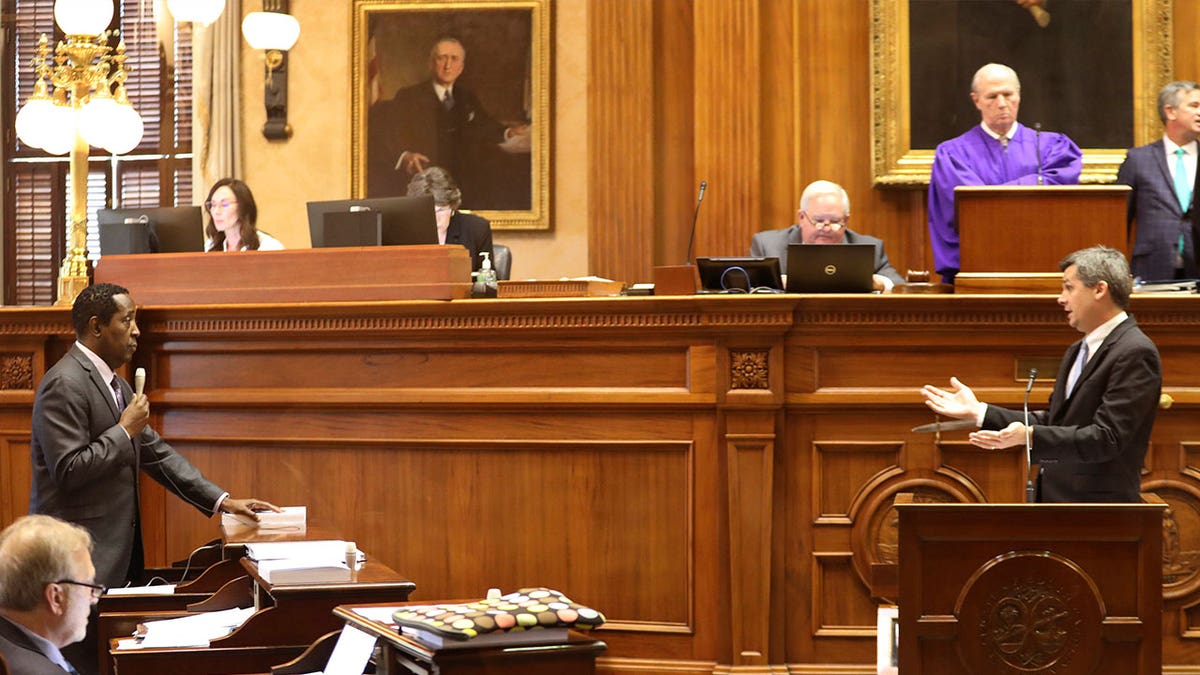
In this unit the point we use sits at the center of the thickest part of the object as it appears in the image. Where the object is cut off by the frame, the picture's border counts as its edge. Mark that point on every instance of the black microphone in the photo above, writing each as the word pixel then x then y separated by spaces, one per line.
pixel 1030 489
pixel 695 215
pixel 1037 140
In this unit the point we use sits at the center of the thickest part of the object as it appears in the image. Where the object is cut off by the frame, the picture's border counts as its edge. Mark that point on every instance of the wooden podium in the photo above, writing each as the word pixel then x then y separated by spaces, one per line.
pixel 1068 589
pixel 303 275
pixel 1011 236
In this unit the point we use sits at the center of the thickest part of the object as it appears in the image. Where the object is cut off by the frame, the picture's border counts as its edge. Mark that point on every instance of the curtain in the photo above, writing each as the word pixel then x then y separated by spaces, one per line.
pixel 216 132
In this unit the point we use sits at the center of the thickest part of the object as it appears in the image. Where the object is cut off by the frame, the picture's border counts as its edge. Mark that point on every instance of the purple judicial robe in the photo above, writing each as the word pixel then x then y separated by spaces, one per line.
pixel 976 158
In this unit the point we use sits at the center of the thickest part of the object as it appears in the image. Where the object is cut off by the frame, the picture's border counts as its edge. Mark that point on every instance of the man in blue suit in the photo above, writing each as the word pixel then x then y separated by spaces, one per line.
pixel 1163 177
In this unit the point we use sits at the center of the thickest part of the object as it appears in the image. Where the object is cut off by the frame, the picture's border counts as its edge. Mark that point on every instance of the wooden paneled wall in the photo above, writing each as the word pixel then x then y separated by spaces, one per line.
pixel 759 98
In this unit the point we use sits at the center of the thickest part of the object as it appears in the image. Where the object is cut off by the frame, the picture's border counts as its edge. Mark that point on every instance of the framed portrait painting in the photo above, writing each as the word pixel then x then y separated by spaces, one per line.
pixel 1090 69
pixel 460 84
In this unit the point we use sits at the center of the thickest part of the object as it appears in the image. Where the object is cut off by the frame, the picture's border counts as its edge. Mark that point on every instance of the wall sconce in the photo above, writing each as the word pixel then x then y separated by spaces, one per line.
pixel 273 31
pixel 79 100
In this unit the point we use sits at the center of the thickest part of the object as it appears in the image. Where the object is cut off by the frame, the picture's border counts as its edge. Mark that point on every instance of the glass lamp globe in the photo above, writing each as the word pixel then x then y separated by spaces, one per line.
pixel 60 125
pixel 271 30
pixel 83 17
pixel 97 120
pixel 33 121
pixel 196 11
pixel 127 130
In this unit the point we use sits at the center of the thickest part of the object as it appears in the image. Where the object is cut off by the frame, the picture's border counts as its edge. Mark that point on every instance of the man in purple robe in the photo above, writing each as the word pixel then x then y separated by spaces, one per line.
pixel 997 152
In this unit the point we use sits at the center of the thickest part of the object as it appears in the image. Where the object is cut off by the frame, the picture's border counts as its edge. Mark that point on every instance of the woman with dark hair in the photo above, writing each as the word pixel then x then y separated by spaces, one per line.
pixel 454 226
pixel 232 215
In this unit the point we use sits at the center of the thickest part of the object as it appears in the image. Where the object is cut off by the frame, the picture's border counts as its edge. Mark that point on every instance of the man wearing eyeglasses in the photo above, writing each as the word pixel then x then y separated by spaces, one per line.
pixel 47 590
pixel 822 219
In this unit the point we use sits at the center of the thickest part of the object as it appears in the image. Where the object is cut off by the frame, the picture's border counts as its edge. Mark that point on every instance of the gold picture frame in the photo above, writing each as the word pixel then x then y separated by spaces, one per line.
pixel 504 87
pixel 896 163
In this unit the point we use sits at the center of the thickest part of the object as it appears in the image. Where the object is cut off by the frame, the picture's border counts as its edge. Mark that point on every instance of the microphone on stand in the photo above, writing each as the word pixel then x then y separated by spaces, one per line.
pixel 1040 15
pixel 681 279
pixel 1030 488
pixel 1037 140
pixel 695 216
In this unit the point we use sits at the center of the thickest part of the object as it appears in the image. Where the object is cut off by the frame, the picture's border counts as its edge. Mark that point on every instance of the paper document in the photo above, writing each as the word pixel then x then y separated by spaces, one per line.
pixel 322 550
pixel 160 589
pixel 194 630
pixel 292 517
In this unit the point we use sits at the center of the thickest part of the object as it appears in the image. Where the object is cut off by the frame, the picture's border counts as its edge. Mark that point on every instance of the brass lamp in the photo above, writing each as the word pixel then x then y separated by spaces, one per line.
pixel 79 100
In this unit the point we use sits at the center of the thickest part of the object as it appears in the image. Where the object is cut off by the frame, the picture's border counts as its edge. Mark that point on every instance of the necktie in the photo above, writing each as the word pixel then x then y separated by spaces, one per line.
pixel 1077 368
pixel 448 100
pixel 1182 190
pixel 1004 143
pixel 120 398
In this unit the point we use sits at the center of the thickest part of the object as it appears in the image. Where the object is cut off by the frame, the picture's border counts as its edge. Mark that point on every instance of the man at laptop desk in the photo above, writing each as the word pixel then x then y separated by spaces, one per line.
pixel 823 215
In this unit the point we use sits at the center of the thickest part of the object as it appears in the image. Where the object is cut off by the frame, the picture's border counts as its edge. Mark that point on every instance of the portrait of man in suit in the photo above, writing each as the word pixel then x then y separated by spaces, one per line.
pixel 454 91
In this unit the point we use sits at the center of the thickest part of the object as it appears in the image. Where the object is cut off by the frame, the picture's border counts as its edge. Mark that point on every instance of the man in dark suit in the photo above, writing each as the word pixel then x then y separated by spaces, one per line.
pixel 823 216
pixel 47 591
pixel 1091 443
pixel 432 123
pixel 1164 178
pixel 91 439
pixel 454 227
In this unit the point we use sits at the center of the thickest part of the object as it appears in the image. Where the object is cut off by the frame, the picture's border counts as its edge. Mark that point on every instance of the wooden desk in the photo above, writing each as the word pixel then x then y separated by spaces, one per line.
pixel 289 619
pixel 403 656
pixel 720 469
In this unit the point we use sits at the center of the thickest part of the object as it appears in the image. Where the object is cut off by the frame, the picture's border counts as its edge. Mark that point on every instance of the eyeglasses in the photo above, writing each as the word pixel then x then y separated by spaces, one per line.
pixel 96 589
pixel 224 204
pixel 826 224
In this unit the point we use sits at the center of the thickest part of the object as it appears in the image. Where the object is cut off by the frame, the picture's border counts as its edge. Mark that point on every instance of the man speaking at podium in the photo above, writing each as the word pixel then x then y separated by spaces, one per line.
pixel 999 151
pixel 1091 443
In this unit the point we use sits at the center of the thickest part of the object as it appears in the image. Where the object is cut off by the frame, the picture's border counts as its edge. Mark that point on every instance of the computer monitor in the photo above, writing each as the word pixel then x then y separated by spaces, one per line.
pixel 403 220
pixel 167 229
pixel 734 275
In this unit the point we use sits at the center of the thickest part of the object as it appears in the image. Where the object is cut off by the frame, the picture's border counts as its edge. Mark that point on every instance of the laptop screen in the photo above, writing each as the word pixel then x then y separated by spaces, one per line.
pixel 830 268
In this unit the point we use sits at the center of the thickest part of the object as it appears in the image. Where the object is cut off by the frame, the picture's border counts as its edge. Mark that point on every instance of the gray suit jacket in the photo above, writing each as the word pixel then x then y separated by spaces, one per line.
pixel 85 468
pixel 1091 445
pixel 775 243
pixel 21 655
pixel 1160 220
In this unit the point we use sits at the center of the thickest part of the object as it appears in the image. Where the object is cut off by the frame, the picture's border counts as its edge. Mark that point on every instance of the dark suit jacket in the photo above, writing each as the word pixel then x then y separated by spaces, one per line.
pixel 775 243
pixel 22 655
pixel 1091 446
pixel 1160 220
pixel 475 233
pixel 414 120
pixel 85 468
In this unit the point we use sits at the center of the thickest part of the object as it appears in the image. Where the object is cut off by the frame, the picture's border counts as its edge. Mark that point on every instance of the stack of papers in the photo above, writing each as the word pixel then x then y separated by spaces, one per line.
pixel 291 518
pixel 194 630
pixel 301 562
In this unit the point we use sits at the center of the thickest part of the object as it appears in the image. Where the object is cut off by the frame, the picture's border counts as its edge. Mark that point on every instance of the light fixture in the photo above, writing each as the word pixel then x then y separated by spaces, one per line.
pixel 73 105
pixel 274 32
pixel 196 11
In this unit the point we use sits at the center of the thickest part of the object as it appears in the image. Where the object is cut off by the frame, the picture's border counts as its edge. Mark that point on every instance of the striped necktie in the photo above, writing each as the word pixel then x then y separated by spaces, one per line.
pixel 120 397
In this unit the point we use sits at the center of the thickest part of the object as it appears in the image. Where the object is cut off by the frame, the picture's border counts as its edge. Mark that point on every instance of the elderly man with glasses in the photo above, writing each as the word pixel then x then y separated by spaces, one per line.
pixel 822 219
pixel 47 590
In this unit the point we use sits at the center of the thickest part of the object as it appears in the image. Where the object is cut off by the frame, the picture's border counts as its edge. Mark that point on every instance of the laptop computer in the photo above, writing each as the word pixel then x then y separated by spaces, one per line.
pixel 830 268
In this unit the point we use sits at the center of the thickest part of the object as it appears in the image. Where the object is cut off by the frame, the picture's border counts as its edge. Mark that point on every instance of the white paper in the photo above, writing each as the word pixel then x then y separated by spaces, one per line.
pixel 194 630
pixel 321 550
pixel 159 589
pixel 351 653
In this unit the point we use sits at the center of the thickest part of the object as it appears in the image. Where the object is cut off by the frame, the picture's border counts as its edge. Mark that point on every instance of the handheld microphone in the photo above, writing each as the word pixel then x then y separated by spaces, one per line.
pixel 1030 489
pixel 139 381
pixel 1037 140
pixel 1040 15
pixel 695 216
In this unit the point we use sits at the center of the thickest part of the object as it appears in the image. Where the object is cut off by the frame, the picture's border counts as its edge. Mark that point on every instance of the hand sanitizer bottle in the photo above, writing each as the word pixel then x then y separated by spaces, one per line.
pixel 485 279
